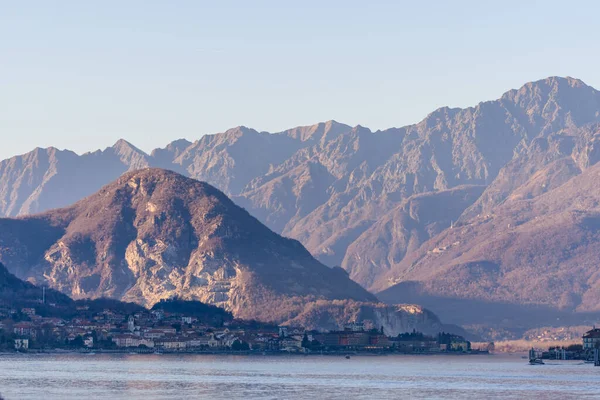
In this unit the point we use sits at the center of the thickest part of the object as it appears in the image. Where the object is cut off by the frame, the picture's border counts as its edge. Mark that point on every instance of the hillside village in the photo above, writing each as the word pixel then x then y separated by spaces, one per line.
pixel 162 330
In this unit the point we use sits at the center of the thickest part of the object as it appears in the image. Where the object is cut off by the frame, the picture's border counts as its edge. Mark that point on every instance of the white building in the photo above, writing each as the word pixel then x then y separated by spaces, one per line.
pixel 591 338
pixel 129 340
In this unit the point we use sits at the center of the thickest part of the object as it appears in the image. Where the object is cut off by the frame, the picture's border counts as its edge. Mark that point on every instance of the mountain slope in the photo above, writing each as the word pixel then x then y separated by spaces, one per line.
pixel 537 251
pixel 154 234
pixel 405 229
pixel 15 292
pixel 320 314
pixel 50 178
pixel 333 187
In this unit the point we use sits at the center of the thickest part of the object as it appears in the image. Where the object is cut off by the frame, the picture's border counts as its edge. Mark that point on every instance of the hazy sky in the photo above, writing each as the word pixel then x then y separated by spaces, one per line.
pixel 82 74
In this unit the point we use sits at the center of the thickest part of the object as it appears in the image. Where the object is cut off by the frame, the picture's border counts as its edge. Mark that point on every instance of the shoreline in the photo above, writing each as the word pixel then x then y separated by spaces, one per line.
pixel 237 353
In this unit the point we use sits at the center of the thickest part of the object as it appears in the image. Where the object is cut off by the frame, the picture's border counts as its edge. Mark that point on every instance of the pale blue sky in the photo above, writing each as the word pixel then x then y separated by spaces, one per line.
pixel 82 74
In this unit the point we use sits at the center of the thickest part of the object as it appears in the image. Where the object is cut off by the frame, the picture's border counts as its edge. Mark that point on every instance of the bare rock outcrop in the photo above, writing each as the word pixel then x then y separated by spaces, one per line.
pixel 154 234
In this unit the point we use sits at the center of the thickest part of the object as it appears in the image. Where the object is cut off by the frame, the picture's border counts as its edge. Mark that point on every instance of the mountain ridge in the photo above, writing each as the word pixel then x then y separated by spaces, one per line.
pixel 354 197
pixel 155 218
pixel 154 234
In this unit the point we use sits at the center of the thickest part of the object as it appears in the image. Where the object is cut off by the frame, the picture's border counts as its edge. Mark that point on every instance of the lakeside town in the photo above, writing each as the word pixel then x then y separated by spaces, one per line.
pixel 168 328
pixel 55 323
pixel 590 343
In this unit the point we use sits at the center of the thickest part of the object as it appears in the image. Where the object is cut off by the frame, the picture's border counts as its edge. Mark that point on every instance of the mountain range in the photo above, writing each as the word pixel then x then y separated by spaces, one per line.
pixel 154 234
pixel 483 207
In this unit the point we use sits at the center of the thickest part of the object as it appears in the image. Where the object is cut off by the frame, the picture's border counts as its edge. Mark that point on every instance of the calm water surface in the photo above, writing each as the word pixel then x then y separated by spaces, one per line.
pixel 291 377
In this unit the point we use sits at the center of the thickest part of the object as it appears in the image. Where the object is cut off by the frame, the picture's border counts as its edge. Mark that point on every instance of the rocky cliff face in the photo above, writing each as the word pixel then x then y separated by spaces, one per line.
pixel 319 314
pixel 154 234
pixel 396 319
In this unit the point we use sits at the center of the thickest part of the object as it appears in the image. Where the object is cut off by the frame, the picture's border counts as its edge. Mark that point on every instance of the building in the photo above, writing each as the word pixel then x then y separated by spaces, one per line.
pixel 285 331
pixel 166 330
pixel 129 340
pixel 346 338
pixel 131 324
pixel 213 342
pixel 379 341
pixel 591 338
pixel 171 344
pixel 157 315
pixel 418 345
pixel 201 341
pixel 154 334
pixel 24 329
pixel 290 344
pixel 88 341
pixel 21 344
pixel 460 346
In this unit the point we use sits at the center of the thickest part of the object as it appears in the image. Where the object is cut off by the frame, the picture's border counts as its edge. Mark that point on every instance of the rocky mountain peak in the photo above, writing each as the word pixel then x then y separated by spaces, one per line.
pixel 237 133
pixel 556 102
pixel 122 146
pixel 552 84
pixel 155 234
pixel 318 132
pixel 175 147
pixel 129 154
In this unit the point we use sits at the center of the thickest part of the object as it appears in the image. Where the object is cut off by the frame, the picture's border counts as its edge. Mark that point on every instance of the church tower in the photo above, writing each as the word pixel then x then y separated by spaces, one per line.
pixel 131 324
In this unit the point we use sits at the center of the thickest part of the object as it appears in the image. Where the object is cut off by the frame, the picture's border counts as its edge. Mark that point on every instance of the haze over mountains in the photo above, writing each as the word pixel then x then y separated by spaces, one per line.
pixel 495 203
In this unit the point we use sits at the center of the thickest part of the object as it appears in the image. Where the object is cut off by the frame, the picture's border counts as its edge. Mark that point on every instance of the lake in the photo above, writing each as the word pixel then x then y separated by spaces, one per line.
pixel 74 376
